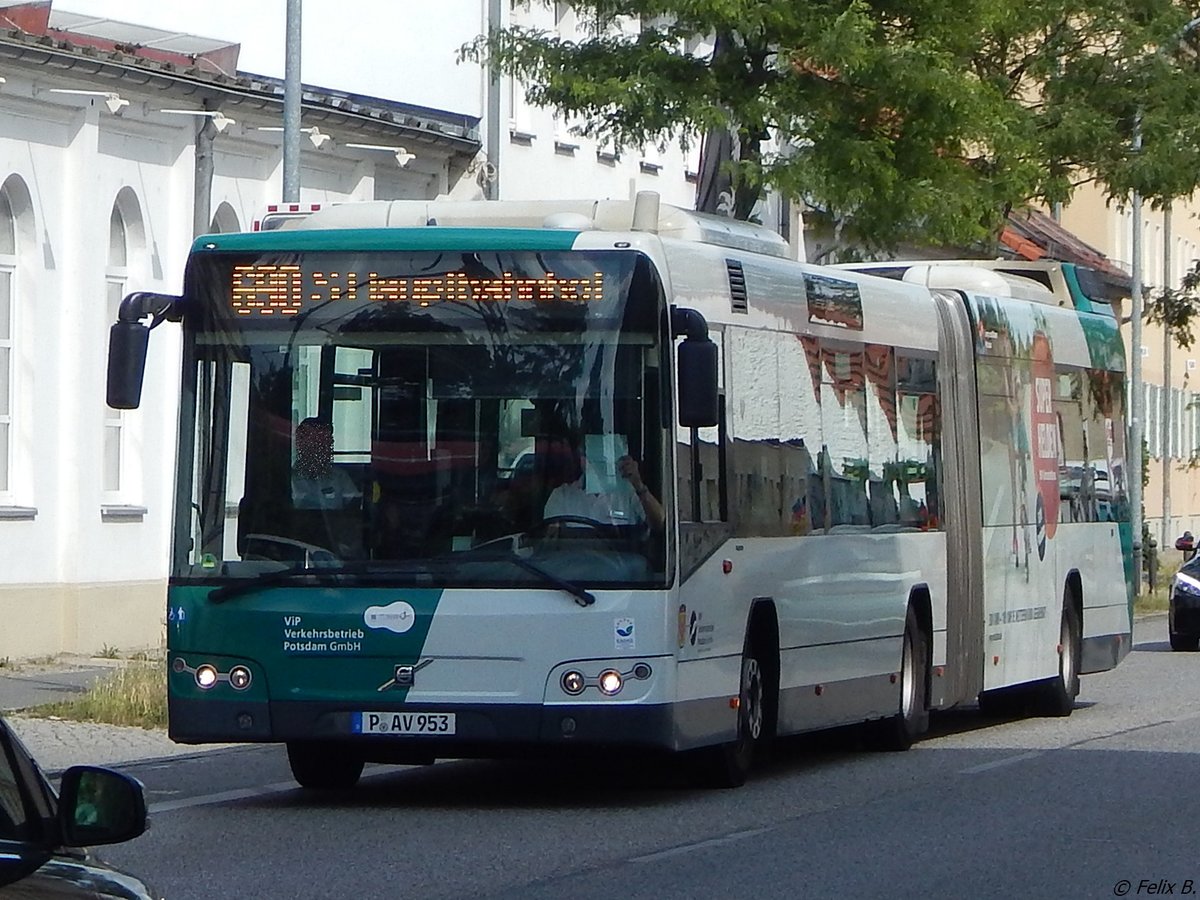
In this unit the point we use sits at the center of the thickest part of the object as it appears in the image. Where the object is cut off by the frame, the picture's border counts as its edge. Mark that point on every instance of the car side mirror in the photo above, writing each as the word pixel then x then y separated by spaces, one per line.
pixel 99 806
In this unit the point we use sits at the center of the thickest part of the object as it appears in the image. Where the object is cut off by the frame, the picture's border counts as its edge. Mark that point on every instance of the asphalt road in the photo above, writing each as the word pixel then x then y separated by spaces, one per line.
pixel 1088 806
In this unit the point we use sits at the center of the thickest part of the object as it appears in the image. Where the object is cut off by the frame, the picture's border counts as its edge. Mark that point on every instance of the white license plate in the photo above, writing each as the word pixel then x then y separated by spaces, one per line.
pixel 401 723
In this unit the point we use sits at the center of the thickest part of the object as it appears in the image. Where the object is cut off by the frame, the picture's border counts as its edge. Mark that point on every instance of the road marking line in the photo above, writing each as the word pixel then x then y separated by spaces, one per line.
pixel 265 790
pixel 1021 757
pixel 699 845
pixel 1007 761
pixel 224 797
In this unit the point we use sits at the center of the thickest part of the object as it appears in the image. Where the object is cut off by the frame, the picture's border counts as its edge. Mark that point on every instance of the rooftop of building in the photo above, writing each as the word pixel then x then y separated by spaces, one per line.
pixel 111 51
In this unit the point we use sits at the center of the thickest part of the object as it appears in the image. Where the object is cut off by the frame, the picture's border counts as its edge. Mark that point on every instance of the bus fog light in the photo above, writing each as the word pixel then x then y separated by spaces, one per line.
pixel 641 671
pixel 610 681
pixel 239 678
pixel 573 682
pixel 206 676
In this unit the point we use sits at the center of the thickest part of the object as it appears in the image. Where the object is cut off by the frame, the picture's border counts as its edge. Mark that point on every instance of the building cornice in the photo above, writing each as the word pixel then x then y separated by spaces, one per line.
pixel 453 134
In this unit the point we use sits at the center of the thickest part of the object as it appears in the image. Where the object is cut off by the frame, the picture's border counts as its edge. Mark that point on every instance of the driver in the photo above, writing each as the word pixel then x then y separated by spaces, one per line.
pixel 316 482
pixel 627 502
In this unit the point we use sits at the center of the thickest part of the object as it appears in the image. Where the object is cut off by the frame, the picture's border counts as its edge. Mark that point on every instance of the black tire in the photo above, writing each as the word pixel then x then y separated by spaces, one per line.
pixel 1185 643
pixel 912 718
pixel 322 766
pixel 1056 696
pixel 1006 703
pixel 728 765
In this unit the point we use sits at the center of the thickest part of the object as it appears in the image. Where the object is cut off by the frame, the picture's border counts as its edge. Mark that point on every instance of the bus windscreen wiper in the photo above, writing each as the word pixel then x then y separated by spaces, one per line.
pixel 274 579
pixel 502 550
pixel 310 575
pixel 582 596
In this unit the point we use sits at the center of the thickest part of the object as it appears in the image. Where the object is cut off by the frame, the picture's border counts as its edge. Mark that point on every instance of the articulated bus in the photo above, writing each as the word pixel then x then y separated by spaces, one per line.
pixel 872 499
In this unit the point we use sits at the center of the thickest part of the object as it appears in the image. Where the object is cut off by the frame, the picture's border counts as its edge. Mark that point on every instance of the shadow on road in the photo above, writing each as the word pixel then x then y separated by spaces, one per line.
pixel 608 781
pixel 1160 647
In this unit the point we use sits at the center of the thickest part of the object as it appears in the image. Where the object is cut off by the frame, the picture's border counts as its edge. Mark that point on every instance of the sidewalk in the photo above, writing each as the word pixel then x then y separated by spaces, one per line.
pixel 58 744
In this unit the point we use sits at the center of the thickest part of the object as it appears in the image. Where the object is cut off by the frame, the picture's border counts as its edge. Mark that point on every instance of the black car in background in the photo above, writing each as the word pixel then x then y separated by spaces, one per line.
pixel 43 833
pixel 1183 624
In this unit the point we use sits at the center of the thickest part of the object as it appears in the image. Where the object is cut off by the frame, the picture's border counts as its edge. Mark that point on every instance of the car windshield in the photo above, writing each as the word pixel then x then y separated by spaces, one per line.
pixel 415 429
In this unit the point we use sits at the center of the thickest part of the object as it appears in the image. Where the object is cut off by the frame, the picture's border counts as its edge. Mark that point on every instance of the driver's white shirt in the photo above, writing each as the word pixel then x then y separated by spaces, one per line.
pixel 617 507
pixel 334 489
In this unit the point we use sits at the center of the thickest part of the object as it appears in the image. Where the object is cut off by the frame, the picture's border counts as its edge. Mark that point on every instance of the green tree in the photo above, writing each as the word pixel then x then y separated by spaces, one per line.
pixel 898 117
pixel 1176 309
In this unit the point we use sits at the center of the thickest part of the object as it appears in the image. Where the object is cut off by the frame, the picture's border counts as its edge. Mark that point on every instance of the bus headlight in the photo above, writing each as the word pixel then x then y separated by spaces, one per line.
pixel 206 676
pixel 610 681
pixel 573 682
pixel 239 678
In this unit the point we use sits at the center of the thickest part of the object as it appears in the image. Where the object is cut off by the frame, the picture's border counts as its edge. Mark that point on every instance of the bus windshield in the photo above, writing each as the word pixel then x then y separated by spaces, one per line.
pixel 435 418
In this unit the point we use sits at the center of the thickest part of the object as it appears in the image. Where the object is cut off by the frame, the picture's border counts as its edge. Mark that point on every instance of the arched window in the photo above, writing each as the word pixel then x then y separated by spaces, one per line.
pixel 8 277
pixel 116 275
pixel 225 220
pixel 129 266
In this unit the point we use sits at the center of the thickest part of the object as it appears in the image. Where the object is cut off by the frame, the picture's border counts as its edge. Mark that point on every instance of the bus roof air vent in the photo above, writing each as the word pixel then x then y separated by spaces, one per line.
pixel 739 300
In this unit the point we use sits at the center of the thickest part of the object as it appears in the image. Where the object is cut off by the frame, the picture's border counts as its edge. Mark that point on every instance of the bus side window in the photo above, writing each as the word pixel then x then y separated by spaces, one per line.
pixel 776 434
pixel 701 460
pixel 701 463
pixel 701 466
pixel 919 442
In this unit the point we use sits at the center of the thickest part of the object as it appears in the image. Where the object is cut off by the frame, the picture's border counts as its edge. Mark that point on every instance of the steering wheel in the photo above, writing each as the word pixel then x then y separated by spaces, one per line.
pixel 284 549
pixel 551 523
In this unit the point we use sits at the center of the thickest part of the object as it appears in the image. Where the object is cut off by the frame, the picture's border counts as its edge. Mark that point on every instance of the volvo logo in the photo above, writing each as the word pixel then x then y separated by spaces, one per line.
pixel 405 676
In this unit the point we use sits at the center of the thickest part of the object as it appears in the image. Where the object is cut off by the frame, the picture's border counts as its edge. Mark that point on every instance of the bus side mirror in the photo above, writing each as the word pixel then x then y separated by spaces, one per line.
pixel 127 343
pixel 128 340
pixel 699 397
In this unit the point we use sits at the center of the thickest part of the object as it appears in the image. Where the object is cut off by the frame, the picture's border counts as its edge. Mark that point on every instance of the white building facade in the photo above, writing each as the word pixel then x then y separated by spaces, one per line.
pixel 120 143
pixel 110 162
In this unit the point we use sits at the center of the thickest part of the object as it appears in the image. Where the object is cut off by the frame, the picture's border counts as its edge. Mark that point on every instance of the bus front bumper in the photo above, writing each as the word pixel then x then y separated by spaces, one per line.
pixel 481 730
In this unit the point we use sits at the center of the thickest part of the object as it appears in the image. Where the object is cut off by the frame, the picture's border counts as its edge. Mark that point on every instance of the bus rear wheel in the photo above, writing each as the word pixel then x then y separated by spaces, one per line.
pixel 912 718
pixel 322 766
pixel 1056 696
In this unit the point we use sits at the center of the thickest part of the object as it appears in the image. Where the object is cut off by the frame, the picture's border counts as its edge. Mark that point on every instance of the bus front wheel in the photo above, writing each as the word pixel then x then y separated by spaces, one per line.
pixel 322 766
pixel 728 765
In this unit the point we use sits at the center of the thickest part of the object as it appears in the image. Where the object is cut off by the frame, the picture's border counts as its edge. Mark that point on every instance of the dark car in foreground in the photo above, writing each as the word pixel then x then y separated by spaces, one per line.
pixel 1183 624
pixel 44 834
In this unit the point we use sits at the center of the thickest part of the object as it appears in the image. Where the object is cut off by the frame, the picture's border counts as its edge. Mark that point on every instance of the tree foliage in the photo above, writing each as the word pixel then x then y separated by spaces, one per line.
pixel 1176 309
pixel 898 117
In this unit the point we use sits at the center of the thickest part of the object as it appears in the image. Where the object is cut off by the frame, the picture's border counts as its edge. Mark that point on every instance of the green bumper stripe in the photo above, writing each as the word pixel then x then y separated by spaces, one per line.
pixel 312 643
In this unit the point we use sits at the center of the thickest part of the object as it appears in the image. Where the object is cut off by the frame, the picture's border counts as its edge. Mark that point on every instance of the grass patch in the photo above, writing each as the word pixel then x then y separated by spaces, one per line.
pixel 1157 600
pixel 135 694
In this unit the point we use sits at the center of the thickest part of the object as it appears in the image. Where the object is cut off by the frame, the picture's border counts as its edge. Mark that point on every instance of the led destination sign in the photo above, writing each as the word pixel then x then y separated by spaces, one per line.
pixel 261 289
